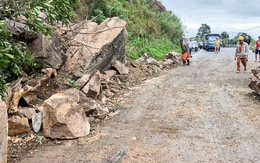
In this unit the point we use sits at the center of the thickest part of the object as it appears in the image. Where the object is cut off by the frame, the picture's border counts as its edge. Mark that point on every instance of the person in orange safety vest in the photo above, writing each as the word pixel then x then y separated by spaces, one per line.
pixel 241 55
pixel 185 53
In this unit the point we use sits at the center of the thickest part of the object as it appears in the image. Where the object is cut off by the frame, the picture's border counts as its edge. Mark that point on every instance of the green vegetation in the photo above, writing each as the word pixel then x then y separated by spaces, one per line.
pixel 149 31
pixel 203 30
pixel 234 41
pixel 14 55
pixel 157 47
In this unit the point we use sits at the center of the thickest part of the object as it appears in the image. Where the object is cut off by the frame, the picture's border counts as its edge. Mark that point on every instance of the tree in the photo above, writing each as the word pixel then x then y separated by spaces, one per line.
pixel 204 29
pixel 224 35
pixel 14 54
pixel 241 34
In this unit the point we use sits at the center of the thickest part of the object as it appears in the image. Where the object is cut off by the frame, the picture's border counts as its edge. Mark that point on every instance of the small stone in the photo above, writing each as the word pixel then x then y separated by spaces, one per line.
pixel 37 122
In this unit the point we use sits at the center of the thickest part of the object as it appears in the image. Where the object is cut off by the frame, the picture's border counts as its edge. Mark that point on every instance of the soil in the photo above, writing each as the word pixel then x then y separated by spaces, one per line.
pixel 204 112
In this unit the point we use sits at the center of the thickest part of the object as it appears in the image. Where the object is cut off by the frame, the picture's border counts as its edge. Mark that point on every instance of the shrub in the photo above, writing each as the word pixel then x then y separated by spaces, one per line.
pixel 149 31
pixel 14 54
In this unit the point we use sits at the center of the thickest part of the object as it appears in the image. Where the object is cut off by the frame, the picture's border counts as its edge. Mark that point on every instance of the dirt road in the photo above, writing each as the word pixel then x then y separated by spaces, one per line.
pixel 204 112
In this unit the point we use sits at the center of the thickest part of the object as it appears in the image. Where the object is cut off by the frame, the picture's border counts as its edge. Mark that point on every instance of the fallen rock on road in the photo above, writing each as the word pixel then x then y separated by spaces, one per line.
pixel 255 80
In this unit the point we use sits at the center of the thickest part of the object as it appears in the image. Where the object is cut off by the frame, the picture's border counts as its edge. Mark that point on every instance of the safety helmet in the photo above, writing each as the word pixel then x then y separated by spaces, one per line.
pixel 181 40
pixel 240 38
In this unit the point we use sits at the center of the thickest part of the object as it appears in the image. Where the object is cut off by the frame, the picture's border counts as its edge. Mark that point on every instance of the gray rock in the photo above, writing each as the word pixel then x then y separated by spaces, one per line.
pixel 18 29
pixel 37 122
pixel 48 50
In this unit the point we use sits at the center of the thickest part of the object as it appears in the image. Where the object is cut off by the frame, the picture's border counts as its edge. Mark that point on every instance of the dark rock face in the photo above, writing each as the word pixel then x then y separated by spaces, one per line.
pixel 48 50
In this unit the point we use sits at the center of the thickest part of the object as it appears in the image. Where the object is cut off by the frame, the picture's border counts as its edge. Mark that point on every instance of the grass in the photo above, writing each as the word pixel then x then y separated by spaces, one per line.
pixel 156 47
pixel 149 31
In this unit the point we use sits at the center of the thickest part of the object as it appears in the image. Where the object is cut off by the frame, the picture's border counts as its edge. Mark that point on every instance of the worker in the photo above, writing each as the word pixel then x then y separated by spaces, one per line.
pixel 190 44
pixel 247 40
pixel 257 49
pixel 185 53
pixel 216 45
pixel 241 55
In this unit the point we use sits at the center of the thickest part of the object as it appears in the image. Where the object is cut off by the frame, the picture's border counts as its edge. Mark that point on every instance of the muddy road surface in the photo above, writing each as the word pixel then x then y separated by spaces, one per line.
pixel 204 112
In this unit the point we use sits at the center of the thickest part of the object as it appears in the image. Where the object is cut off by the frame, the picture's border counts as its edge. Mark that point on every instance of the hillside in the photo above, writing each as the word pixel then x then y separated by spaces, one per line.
pixel 48 48
pixel 151 29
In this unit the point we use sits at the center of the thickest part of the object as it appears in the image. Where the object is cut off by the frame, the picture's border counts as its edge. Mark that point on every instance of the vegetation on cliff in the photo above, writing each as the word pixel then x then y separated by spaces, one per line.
pixel 149 29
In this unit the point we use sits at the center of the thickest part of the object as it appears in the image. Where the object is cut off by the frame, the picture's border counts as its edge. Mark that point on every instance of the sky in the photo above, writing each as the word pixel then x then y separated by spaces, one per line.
pixel 232 16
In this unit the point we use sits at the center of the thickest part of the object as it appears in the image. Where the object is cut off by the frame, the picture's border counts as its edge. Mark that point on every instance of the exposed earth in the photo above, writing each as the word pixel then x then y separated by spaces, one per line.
pixel 204 112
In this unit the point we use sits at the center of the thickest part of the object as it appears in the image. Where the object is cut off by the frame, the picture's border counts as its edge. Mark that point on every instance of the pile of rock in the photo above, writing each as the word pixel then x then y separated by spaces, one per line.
pixel 255 80
pixel 84 71
pixel 65 113
pixel 94 56
pixel 62 113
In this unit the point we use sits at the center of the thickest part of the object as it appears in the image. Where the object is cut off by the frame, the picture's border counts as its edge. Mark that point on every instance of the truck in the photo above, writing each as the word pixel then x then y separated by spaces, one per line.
pixel 209 40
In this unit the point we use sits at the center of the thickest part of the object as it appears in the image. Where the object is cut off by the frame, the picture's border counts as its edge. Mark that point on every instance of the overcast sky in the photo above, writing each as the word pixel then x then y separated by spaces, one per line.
pixel 232 16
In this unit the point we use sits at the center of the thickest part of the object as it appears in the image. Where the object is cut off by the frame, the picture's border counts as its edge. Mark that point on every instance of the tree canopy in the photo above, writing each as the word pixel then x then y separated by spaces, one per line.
pixel 224 35
pixel 204 29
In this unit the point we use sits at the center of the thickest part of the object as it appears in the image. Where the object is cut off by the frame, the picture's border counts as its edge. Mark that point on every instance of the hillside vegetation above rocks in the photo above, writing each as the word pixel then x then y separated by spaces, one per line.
pixel 151 29
pixel 51 51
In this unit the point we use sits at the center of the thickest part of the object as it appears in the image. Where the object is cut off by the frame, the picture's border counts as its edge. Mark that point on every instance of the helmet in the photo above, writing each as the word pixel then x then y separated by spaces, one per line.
pixel 258 36
pixel 240 38
pixel 181 40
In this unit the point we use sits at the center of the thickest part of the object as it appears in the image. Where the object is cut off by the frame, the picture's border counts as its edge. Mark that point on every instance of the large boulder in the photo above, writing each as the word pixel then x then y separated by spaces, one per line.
pixel 255 80
pixel 64 116
pixel 96 46
pixel 48 50
pixel 3 133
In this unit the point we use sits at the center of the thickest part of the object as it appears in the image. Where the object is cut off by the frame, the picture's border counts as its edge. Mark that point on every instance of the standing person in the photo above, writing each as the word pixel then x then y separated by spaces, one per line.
pixel 241 53
pixel 190 44
pixel 257 49
pixel 185 53
pixel 247 40
pixel 216 44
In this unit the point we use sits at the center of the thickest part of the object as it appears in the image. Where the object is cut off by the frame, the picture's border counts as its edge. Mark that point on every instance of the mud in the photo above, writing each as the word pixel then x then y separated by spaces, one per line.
pixel 204 112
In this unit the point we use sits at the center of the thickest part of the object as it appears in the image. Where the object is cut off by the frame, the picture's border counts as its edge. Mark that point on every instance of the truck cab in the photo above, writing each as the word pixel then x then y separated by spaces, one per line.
pixel 209 41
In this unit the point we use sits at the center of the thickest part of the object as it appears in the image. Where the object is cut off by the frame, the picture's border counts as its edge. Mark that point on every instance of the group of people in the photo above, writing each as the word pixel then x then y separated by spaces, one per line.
pixel 241 53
